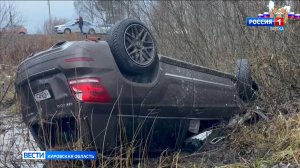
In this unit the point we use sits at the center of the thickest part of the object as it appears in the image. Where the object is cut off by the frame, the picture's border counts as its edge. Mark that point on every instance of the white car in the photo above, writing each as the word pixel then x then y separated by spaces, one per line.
pixel 87 28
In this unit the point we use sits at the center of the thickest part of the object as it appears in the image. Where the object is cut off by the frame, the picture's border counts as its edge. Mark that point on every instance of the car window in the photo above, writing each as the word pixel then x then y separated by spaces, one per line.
pixel 70 23
pixel 86 23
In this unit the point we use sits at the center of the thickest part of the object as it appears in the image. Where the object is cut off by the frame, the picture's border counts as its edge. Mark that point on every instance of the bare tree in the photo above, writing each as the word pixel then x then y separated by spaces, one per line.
pixel 106 12
pixel 8 14
pixel 214 34
pixel 49 24
pixel 86 9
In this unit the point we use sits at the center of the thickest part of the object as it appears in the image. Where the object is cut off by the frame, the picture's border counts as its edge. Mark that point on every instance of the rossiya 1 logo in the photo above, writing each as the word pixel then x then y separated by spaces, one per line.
pixel 277 17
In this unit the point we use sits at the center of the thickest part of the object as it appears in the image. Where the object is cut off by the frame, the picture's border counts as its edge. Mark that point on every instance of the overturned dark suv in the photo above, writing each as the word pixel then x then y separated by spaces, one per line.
pixel 111 94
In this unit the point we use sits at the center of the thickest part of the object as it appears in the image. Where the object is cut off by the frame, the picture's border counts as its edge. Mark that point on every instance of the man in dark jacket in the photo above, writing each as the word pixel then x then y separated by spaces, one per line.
pixel 80 23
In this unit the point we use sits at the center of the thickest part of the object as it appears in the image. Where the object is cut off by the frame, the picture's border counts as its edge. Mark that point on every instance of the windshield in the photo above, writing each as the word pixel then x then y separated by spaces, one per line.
pixel 70 22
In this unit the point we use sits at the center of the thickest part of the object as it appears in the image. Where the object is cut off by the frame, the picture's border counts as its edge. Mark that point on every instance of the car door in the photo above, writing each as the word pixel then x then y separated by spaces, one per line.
pixel 86 27
pixel 75 27
pixel 172 97
pixel 214 95
pixel 165 109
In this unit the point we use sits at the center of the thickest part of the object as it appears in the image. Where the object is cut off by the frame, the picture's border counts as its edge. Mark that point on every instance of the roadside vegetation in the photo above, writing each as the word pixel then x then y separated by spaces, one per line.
pixel 208 33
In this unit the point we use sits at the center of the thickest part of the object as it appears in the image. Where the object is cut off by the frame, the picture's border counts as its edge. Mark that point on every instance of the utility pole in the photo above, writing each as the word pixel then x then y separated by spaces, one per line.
pixel 10 18
pixel 49 11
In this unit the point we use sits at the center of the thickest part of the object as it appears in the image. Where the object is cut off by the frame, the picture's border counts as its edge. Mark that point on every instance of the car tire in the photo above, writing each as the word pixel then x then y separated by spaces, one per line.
pixel 22 33
pixel 67 31
pixel 244 83
pixel 91 32
pixel 133 47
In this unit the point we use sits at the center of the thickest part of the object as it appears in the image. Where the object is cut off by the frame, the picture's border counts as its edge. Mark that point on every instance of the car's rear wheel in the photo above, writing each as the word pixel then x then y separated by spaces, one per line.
pixel 245 85
pixel 133 47
pixel 92 32
pixel 67 31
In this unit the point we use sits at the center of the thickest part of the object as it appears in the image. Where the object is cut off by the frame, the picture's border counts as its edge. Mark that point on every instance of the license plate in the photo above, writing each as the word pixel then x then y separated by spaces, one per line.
pixel 43 95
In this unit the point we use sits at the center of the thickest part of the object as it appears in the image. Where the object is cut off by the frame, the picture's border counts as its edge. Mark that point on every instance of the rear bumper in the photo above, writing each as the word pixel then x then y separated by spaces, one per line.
pixel 68 129
pixel 105 130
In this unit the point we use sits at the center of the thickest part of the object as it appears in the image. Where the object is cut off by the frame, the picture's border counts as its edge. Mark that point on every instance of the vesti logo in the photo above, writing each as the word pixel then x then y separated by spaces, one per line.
pixel 33 155
pixel 278 16
pixel 59 155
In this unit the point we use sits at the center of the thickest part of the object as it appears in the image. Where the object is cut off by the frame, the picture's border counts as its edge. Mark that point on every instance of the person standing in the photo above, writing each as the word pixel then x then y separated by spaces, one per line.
pixel 80 23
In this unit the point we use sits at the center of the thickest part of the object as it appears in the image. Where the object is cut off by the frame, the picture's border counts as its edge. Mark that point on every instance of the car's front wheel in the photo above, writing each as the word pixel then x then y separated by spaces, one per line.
pixel 92 32
pixel 67 31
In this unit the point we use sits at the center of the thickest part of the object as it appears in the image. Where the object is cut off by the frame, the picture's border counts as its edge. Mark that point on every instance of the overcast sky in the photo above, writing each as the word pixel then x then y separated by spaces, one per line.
pixel 34 13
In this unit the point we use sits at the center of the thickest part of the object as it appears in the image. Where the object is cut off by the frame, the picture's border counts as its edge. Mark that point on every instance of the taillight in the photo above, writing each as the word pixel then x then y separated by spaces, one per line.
pixel 89 90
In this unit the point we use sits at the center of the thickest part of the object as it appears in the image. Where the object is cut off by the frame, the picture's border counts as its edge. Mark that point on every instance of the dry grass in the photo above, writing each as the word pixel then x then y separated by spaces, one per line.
pixel 269 142
pixel 15 48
